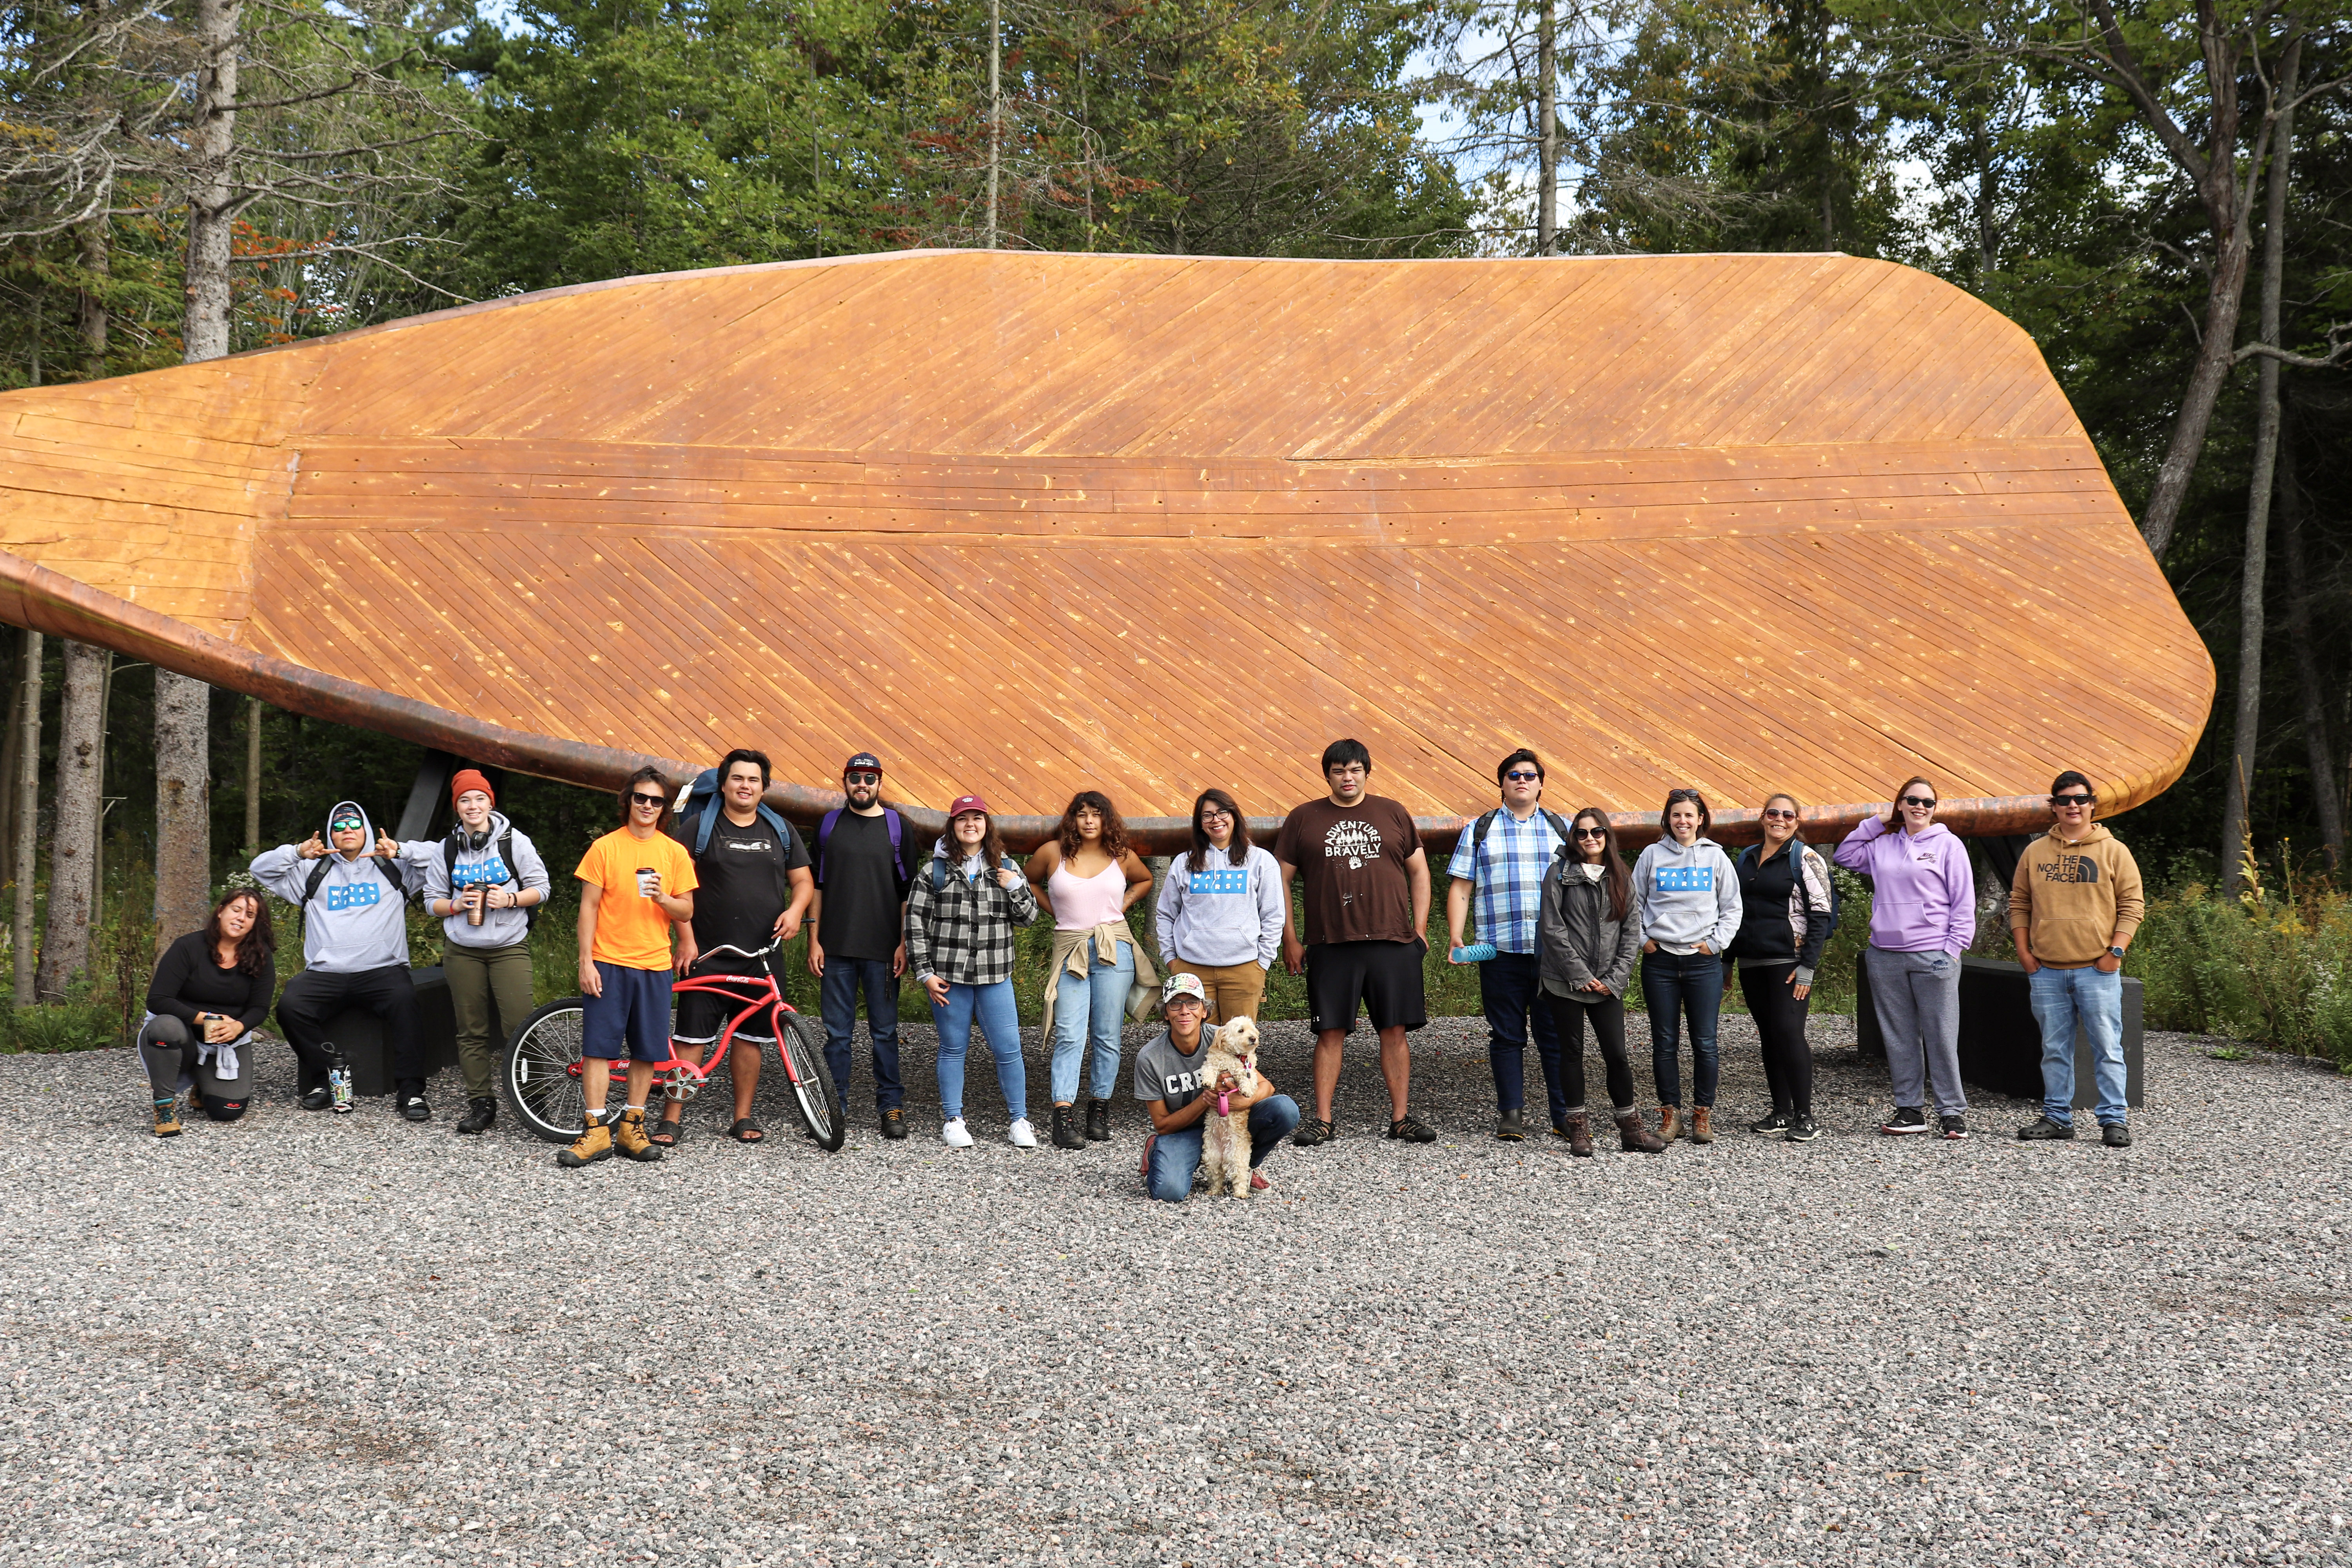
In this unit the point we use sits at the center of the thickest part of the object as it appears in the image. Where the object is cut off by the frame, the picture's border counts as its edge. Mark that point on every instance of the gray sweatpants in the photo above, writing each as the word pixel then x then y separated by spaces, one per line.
pixel 1917 997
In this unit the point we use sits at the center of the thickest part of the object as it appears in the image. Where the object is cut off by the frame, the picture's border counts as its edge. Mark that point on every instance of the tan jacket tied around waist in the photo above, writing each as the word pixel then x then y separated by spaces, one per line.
pixel 2073 900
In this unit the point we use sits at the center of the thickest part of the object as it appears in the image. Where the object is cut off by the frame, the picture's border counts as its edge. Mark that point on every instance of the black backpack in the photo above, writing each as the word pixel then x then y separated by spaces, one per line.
pixel 505 855
pixel 318 880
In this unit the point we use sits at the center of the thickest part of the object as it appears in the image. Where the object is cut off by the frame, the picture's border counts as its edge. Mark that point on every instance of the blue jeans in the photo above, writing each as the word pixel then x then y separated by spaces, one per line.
pixel 1672 984
pixel 2063 999
pixel 1091 1009
pixel 993 1007
pixel 1176 1156
pixel 1510 990
pixel 838 1001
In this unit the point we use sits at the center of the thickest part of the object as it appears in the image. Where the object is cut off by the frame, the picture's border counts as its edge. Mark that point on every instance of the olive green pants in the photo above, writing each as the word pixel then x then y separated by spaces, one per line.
pixel 482 980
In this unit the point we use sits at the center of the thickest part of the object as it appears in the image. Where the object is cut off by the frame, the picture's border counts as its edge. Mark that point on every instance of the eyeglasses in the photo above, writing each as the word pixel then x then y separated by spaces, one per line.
pixel 861 778
pixel 1215 813
pixel 1919 800
pixel 1591 833
pixel 1780 814
pixel 655 801
pixel 2072 799
pixel 1522 776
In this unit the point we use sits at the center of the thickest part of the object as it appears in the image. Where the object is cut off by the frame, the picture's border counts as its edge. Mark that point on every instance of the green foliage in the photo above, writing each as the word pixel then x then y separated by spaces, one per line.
pixel 2274 969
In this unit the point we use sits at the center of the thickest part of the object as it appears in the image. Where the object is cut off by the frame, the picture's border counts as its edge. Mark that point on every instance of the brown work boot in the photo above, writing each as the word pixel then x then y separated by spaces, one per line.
pixel 1702 1125
pixel 594 1144
pixel 629 1139
pixel 167 1118
pixel 1636 1138
pixel 1670 1122
pixel 1580 1135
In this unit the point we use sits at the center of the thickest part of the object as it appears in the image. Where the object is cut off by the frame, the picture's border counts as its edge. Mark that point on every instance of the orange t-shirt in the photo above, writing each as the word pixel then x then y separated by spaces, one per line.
pixel 631 930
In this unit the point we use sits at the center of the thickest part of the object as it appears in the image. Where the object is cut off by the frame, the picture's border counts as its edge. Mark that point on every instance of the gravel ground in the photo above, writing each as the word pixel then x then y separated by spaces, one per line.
pixel 301 1338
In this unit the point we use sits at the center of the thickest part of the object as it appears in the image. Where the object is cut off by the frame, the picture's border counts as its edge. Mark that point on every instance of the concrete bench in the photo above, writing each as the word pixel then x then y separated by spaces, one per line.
pixel 360 1036
pixel 2001 1045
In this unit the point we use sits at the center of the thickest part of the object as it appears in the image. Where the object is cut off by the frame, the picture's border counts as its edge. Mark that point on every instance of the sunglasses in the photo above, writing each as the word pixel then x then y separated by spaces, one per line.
pixel 1778 814
pixel 2072 799
pixel 1591 833
pixel 861 778
pixel 655 801
pixel 1919 800
pixel 1522 776
pixel 346 825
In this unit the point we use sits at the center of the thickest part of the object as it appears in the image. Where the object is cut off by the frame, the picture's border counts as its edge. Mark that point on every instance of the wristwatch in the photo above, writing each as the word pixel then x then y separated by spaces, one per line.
pixel 2117 952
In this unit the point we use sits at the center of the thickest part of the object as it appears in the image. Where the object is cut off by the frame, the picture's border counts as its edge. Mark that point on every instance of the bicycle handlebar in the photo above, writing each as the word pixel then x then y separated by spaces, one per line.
pixel 715 952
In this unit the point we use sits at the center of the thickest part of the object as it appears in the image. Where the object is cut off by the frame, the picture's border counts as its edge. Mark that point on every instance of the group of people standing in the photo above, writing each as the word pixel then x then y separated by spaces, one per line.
pixel 1561 917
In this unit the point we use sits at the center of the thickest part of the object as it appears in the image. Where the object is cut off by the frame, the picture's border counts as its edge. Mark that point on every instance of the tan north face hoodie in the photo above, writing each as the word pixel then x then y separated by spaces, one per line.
pixel 2071 898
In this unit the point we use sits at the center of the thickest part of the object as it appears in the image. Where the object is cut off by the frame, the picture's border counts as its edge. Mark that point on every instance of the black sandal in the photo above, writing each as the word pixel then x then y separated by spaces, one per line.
pixel 666 1134
pixel 746 1131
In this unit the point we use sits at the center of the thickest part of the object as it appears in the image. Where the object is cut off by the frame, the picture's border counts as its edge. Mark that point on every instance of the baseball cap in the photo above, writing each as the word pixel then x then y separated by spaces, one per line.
pixel 863 763
pixel 1182 985
pixel 964 803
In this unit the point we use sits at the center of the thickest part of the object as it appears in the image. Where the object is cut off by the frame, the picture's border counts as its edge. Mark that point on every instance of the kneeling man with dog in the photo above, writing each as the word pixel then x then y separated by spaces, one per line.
pixel 1176 1081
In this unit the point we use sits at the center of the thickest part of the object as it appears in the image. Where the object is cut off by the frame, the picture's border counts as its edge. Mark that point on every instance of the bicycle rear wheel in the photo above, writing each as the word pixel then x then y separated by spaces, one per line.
pixel 540 1083
pixel 813 1093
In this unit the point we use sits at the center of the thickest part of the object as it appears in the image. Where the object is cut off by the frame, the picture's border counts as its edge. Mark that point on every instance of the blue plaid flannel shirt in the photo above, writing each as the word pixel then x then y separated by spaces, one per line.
pixel 1506 898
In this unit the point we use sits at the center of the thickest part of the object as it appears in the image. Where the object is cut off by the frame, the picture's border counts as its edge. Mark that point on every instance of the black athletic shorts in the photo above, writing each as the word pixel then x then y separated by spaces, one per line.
pixel 702 1015
pixel 1385 976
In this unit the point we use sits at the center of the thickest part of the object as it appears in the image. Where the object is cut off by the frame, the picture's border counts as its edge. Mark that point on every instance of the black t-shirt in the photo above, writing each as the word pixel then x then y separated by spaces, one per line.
pixel 863 890
pixel 744 886
pixel 189 980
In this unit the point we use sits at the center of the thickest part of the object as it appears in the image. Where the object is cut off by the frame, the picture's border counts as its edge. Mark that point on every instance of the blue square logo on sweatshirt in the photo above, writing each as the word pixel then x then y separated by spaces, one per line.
pixel 354 895
pixel 1225 879
pixel 1686 879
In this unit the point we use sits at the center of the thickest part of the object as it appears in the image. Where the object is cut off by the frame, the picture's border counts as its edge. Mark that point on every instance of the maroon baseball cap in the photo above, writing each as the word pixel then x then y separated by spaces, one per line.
pixel 964 803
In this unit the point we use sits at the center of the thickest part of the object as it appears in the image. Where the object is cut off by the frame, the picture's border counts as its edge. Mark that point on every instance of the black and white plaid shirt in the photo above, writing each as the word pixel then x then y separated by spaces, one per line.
pixel 963 932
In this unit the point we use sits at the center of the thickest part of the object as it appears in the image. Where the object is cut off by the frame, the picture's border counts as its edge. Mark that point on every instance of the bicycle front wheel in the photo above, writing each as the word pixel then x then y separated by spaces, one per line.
pixel 542 1077
pixel 813 1094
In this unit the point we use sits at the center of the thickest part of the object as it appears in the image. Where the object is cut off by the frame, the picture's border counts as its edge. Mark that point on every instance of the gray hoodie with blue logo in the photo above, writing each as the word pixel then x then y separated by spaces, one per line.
pixel 1687 894
pixel 358 919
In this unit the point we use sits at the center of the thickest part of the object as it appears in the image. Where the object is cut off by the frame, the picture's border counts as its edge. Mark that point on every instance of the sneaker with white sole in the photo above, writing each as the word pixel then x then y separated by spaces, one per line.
pixel 1022 1136
pixel 1907 1119
pixel 956 1135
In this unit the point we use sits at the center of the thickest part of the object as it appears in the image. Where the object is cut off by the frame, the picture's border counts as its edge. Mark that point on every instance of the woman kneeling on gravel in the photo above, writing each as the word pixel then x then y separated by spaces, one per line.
pixel 210 990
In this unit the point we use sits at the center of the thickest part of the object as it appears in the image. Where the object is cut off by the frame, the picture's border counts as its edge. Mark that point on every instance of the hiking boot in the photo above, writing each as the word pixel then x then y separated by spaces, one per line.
pixel 629 1139
pixel 1636 1139
pixel 1311 1132
pixel 1580 1135
pixel 2046 1130
pixel 1906 1119
pixel 1952 1127
pixel 481 1115
pixel 894 1123
pixel 1411 1129
pixel 1065 1135
pixel 1511 1127
pixel 1801 1129
pixel 1670 1122
pixel 1702 1123
pixel 1778 1121
pixel 1098 1121
pixel 167 1118
pixel 2115 1135
pixel 592 1144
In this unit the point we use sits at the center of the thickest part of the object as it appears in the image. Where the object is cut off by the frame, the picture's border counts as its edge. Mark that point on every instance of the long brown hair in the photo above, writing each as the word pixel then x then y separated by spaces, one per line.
pixel 1612 864
pixel 1895 812
pixel 1237 852
pixel 1114 833
pixel 992 847
pixel 256 950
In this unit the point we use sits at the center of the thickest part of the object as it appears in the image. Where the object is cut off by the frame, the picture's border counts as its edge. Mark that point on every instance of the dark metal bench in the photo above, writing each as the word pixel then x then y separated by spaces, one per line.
pixel 2001 1045
pixel 360 1036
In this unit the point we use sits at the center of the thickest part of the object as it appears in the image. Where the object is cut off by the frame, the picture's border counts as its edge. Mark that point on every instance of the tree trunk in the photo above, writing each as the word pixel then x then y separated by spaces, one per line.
pixel 2325 802
pixel 183 706
pixel 92 239
pixel 2217 355
pixel 27 791
pixel 105 739
pixel 995 112
pixel 1548 129
pixel 252 777
pixel 1988 194
pixel 8 757
pixel 73 841
pixel 2236 806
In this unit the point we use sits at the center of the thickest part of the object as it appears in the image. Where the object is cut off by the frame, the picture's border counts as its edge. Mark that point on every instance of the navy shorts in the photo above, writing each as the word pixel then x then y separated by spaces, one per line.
pixel 632 1018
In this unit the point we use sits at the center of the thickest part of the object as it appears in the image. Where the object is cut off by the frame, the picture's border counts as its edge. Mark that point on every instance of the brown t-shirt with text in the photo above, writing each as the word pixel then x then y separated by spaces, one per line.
pixel 1351 868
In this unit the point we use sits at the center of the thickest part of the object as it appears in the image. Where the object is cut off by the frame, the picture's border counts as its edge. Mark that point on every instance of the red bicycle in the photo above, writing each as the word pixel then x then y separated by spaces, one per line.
pixel 544 1065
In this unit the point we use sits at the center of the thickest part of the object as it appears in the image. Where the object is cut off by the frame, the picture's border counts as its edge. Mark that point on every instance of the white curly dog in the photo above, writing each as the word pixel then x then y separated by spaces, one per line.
pixel 1229 1078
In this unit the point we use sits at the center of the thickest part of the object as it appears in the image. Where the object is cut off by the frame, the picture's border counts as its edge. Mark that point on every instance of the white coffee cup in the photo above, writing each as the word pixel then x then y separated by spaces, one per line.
pixel 649 882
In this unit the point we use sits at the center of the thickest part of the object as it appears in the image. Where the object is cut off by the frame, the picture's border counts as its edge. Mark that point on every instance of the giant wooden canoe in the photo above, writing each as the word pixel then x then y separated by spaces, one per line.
pixel 1023 524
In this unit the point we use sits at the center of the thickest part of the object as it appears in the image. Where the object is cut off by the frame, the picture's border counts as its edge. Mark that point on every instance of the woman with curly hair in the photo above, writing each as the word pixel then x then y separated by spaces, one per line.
pixel 1087 878
pixel 211 988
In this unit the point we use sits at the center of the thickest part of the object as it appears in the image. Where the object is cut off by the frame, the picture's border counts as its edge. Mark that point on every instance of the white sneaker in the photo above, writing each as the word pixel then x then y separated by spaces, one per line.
pixel 1023 1136
pixel 955 1136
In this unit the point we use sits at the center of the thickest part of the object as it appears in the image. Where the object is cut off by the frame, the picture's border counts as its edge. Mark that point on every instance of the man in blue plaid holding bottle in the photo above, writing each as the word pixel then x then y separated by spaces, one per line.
pixel 1498 869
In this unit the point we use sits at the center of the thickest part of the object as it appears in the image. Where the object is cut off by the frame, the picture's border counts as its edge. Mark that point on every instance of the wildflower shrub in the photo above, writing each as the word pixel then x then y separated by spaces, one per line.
pixel 2275 965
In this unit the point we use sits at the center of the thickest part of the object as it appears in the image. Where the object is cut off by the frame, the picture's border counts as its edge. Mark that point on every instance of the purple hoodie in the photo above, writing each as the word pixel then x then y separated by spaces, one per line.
pixel 1923 890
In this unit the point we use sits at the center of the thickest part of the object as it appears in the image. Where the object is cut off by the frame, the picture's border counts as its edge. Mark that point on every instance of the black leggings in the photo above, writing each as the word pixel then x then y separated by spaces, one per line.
pixel 1608 1017
pixel 1780 1023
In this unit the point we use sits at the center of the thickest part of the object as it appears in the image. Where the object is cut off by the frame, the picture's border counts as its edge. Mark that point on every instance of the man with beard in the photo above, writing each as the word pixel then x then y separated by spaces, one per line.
pixel 862 872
